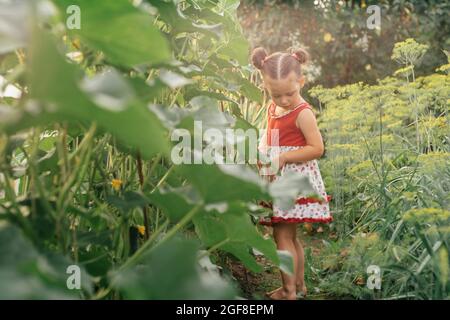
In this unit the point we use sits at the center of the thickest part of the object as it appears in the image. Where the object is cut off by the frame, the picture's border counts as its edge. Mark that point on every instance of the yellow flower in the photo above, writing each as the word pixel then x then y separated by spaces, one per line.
pixel 327 37
pixel 141 230
pixel 429 215
pixel 116 184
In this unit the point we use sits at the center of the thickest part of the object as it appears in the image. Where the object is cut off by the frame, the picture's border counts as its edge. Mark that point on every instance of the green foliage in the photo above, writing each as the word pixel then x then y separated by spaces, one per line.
pixel 29 274
pixel 121 31
pixel 185 279
pixel 343 48
pixel 85 151
pixel 408 52
pixel 386 164
pixel 87 178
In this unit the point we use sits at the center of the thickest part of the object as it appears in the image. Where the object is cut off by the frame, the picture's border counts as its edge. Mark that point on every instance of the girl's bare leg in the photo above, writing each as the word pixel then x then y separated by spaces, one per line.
pixel 284 233
pixel 300 273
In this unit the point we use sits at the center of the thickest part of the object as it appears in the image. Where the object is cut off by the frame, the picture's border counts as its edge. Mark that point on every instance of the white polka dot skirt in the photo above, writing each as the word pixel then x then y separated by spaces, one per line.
pixel 306 209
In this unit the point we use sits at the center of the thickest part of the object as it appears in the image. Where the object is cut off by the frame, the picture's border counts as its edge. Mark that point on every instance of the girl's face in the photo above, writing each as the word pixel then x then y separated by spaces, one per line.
pixel 285 92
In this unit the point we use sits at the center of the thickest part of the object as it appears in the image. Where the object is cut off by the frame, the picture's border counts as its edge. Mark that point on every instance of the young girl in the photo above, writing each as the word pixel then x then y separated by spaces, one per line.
pixel 300 144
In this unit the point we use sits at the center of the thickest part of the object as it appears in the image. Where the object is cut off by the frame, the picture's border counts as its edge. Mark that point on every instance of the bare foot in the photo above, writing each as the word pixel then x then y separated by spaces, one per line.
pixel 268 294
pixel 301 289
pixel 281 294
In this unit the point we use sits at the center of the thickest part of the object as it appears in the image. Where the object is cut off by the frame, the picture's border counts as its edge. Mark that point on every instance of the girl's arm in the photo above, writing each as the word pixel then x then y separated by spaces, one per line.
pixel 306 122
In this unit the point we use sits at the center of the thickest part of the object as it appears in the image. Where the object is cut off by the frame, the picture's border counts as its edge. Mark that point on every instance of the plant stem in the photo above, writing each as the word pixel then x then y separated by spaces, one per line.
pixel 141 182
pixel 161 181
pixel 214 247
pixel 179 225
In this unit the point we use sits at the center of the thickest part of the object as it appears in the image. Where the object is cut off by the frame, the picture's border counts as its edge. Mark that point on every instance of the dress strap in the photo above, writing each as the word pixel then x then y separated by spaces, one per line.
pixel 299 106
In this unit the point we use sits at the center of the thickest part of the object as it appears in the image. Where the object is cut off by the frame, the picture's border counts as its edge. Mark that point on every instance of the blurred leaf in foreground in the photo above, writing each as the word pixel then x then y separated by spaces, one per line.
pixel 171 271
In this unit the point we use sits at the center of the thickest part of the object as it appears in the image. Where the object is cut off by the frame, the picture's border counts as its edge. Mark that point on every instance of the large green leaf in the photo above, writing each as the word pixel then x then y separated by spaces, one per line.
pixel 56 95
pixel 171 271
pixel 205 13
pixel 224 182
pixel 179 22
pixel 286 261
pixel 193 91
pixel 202 114
pixel 235 226
pixel 41 222
pixel 175 202
pixel 129 200
pixel 28 274
pixel 237 48
pixel 147 90
pixel 216 222
pixel 247 88
pixel 125 34
pixel 173 80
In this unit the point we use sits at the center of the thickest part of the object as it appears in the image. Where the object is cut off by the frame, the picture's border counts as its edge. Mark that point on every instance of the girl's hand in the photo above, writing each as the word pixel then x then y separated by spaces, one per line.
pixel 265 171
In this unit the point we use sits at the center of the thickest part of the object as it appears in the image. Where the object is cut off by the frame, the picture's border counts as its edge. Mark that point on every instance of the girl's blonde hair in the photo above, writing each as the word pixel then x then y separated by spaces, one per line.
pixel 279 64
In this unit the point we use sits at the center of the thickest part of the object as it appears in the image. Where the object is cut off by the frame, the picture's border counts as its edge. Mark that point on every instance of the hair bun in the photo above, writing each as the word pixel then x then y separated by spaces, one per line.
pixel 258 55
pixel 302 54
